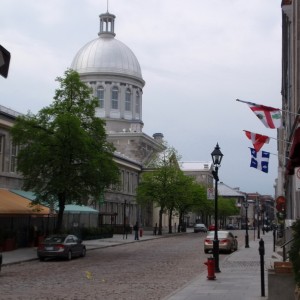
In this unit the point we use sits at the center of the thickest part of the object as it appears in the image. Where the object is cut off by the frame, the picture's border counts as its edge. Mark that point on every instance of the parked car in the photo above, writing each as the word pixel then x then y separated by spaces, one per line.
pixel 211 227
pixel 232 226
pixel 227 241
pixel 200 228
pixel 0 261
pixel 61 246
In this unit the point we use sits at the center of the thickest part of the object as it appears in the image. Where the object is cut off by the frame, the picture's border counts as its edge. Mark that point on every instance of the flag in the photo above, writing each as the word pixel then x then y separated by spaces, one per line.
pixel 258 140
pixel 270 116
pixel 260 160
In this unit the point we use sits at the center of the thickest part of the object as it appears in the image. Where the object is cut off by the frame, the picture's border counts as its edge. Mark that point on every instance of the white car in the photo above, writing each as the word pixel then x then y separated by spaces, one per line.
pixel 227 241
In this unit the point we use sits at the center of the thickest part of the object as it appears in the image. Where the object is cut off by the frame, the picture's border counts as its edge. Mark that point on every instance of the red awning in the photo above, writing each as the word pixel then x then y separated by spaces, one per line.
pixel 294 156
pixel 295 148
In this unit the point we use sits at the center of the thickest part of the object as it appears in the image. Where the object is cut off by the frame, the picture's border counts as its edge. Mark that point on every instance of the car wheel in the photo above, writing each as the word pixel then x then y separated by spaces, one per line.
pixel 69 257
pixel 42 258
pixel 83 252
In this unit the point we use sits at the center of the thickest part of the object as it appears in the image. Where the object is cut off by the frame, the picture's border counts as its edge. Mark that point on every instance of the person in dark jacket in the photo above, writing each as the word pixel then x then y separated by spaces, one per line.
pixel 136 231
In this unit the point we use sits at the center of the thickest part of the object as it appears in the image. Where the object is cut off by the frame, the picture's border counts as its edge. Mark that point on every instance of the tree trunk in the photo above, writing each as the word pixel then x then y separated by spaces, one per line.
pixel 180 222
pixel 61 201
pixel 170 220
pixel 160 221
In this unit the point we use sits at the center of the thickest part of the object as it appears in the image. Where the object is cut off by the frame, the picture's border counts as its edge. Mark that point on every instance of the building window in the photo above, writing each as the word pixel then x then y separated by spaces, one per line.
pixel 128 100
pixel 13 158
pixel 137 103
pixel 114 98
pixel 100 96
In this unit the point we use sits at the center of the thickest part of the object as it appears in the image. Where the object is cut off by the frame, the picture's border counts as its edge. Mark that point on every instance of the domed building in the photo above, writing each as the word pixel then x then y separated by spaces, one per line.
pixel 113 72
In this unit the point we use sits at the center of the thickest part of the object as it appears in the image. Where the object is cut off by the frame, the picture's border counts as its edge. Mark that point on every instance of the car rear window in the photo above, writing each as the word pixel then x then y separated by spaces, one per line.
pixel 221 234
pixel 55 239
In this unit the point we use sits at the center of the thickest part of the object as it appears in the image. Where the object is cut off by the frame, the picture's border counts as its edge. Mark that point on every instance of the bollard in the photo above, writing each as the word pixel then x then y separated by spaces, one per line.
pixel 261 251
pixel 141 232
pixel 274 240
pixel 210 268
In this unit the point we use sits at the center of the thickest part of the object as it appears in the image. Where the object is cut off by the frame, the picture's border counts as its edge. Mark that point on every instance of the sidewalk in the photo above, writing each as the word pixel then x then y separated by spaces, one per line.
pixel 240 276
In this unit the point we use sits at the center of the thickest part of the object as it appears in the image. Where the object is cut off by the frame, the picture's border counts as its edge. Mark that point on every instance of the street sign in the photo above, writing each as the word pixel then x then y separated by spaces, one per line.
pixel 4 61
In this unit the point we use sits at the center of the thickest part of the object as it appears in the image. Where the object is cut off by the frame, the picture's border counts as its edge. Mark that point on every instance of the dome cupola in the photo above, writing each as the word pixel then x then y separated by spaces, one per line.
pixel 106 54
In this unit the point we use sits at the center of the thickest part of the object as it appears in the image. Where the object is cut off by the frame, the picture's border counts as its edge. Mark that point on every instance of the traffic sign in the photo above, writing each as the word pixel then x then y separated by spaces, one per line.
pixel 280 200
pixel 4 61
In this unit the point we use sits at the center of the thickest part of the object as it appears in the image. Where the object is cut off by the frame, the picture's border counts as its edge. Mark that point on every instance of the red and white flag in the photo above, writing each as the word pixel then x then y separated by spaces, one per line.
pixel 258 140
pixel 270 116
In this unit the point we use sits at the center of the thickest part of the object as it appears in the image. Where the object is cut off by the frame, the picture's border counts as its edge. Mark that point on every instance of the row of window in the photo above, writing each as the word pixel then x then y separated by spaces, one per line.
pixel 129 182
pixel 115 99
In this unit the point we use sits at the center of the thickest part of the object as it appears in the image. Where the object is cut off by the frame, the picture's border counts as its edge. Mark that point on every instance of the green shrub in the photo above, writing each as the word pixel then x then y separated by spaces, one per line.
pixel 294 253
pixel 96 233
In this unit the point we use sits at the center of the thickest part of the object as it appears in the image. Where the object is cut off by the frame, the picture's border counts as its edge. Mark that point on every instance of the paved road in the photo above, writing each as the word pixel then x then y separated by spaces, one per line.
pixel 144 270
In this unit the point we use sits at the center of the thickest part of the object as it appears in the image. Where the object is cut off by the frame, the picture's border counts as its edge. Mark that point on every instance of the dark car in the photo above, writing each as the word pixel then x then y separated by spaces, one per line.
pixel 200 228
pixel 61 246
pixel 0 261
pixel 227 241
pixel 232 226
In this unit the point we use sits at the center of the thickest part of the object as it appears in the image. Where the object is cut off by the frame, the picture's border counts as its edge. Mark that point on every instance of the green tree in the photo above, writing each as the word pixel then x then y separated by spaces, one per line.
pixel 201 206
pixel 180 196
pixel 63 154
pixel 226 208
pixel 158 185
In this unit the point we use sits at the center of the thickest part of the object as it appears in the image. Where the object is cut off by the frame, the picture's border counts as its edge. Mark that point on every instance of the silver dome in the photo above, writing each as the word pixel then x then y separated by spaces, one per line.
pixel 106 55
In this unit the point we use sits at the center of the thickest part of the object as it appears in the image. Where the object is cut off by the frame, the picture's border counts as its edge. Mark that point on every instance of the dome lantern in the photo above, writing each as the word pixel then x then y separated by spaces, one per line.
pixel 107 25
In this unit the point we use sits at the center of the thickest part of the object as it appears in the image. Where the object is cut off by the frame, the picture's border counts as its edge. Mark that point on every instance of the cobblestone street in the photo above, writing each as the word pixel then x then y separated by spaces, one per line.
pixel 143 270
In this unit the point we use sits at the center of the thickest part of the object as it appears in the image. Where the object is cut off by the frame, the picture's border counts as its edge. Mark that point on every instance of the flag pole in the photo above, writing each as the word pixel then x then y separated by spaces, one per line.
pixel 285 141
pixel 252 103
pixel 273 153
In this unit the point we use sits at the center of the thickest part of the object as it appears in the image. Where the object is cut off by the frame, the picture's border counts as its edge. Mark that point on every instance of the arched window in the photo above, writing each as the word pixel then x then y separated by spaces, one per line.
pixel 114 98
pixel 137 103
pixel 128 100
pixel 100 96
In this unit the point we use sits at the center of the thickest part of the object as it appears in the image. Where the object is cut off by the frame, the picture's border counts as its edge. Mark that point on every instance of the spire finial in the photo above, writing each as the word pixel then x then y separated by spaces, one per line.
pixel 107 5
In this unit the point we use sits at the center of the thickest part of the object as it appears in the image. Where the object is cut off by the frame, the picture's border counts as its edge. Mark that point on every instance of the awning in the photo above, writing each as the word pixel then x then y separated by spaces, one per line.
pixel 69 208
pixel 12 204
pixel 294 155
pixel 76 209
pixel 295 148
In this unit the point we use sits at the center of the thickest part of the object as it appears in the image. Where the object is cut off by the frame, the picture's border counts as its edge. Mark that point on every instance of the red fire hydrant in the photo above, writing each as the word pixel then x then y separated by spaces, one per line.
pixel 141 232
pixel 210 268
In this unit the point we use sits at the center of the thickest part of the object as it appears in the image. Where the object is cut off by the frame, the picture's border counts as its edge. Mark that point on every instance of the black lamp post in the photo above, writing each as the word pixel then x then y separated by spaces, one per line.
pixel 246 205
pixel 216 158
pixel 258 220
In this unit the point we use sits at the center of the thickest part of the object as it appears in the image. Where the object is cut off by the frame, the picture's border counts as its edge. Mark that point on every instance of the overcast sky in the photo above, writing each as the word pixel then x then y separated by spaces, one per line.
pixel 196 56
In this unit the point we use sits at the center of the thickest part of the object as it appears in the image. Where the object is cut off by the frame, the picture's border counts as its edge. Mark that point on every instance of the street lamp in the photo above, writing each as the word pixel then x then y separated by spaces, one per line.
pixel 246 205
pixel 216 158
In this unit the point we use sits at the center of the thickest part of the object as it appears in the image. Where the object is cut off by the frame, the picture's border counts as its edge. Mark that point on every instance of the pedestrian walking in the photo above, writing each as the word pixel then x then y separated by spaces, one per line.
pixel 136 231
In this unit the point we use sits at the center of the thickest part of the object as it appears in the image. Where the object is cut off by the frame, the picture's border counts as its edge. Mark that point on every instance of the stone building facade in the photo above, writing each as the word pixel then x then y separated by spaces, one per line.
pixel 9 178
pixel 114 74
